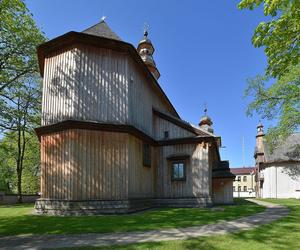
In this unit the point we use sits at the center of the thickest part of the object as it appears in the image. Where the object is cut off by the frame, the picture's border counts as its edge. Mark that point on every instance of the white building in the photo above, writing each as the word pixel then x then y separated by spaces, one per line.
pixel 278 173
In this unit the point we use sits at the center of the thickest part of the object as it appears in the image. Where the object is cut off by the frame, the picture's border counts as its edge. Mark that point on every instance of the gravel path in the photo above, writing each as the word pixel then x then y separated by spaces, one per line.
pixel 273 212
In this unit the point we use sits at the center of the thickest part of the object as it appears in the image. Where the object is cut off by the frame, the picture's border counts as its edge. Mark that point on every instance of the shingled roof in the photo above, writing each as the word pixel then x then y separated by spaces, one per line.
pixel 103 30
pixel 288 151
pixel 222 170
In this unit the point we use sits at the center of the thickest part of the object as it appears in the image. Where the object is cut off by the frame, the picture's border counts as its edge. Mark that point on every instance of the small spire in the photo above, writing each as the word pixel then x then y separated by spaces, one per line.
pixel 205 109
pixel 205 121
pixel 146 28
pixel 260 128
pixel 146 50
pixel 103 18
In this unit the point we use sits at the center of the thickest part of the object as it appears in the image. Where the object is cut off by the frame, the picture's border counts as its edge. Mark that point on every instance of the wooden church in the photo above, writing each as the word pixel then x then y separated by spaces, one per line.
pixel 111 140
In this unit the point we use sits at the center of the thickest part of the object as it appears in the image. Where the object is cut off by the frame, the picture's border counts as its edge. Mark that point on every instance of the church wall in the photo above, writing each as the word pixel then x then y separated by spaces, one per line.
pixel 197 183
pixel 84 165
pixel 222 190
pixel 281 181
pixel 161 125
pixel 141 178
pixel 85 83
pixel 142 98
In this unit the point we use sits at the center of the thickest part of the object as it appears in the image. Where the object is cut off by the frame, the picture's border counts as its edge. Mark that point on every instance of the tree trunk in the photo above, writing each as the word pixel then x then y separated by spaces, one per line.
pixel 19 165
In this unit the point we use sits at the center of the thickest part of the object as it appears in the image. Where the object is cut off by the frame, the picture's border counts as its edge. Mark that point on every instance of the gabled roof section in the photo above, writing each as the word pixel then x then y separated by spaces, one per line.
pixel 181 123
pixel 103 30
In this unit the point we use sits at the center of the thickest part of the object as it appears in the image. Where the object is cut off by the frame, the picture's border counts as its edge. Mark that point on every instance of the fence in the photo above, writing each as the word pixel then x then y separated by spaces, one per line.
pixel 13 198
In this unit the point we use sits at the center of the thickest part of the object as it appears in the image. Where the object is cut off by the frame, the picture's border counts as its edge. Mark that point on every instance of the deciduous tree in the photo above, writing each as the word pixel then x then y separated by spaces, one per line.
pixel 277 92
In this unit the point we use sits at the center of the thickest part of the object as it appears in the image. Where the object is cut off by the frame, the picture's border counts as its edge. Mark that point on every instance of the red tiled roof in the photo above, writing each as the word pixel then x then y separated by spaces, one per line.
pixel 246 170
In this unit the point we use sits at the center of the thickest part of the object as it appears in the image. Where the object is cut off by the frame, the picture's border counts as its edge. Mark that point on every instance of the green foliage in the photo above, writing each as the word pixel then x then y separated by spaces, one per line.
pixel 19 37
pixel 21 215
pixel 31 164
pixel 280 101
pixel 19 96
pixel 280 38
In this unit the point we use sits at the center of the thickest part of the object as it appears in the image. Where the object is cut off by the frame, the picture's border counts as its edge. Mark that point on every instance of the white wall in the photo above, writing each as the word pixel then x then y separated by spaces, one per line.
pixel 281 182
pixel 243 194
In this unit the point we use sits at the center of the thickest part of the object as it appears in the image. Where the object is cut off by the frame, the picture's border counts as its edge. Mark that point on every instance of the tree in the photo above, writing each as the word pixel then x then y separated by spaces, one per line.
pixel 19 37
pixel 20 114
pixel 19 82
pixel 280 37
pixel 31 165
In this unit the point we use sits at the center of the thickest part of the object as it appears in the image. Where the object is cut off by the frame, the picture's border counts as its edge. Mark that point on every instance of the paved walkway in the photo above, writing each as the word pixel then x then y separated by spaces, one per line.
pixel 272 213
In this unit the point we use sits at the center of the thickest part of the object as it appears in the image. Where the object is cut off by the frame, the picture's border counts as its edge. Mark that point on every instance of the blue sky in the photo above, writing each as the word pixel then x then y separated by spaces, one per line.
pixel 203 51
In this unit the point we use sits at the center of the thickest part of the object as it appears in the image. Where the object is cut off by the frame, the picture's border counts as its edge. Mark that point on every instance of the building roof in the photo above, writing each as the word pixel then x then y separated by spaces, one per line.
pixel 245 170
pixel 103 30
pixel 287 151
pixel 222 170
pixel 183 124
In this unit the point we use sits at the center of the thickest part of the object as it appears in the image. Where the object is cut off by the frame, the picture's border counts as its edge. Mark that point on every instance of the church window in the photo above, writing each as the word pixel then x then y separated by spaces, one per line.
pixel 146 155
pixel 245 178
pixel 239 178
pixel 178 171
pixel 233 188
pixel 245 188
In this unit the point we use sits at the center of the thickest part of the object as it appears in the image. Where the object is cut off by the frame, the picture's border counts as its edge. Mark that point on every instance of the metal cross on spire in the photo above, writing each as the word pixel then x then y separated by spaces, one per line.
pixel 205 109
pixel 146 28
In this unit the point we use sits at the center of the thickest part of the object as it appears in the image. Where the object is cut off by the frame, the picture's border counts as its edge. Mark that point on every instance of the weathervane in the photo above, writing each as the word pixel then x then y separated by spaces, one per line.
pixel 205 109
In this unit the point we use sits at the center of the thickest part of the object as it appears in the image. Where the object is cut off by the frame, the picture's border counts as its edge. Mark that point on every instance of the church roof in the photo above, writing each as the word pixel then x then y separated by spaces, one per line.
pixel 288 151
pixel 103 30
pixel 222 170
pixel 245 170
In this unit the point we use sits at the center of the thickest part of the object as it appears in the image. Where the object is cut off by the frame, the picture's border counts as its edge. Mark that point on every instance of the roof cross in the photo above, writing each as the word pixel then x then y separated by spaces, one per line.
pixel 205 109
pixel 146 28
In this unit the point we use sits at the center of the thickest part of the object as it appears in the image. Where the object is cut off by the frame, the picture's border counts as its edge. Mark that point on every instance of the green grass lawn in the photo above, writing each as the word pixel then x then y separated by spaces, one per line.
pixel 18 219
pixel 281 234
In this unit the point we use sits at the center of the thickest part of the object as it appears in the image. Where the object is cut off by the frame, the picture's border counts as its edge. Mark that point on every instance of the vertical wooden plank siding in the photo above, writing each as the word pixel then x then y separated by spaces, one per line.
pixel 222 190
pixel 161 125
pixel 197 181
pixel 142 98
pixel 84 165
pixel 141 178
pixel 85 83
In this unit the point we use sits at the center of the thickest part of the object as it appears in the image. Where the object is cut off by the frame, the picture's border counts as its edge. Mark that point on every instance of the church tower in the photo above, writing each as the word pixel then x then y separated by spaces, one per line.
pixel 146 50
pixel 259 147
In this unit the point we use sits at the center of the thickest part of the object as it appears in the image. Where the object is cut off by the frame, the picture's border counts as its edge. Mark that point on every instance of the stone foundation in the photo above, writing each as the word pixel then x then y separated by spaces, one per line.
pixel 184 202
pixel 97 207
